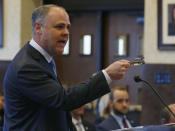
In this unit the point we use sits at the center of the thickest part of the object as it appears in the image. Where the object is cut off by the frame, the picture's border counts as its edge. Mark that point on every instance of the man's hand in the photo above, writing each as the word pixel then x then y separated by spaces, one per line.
pixel 117 70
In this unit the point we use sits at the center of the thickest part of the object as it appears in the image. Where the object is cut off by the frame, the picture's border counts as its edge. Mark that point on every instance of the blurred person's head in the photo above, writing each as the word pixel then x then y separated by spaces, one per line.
pixel 166 116
pixel 120 100
pixel 107 110
pixel 77 113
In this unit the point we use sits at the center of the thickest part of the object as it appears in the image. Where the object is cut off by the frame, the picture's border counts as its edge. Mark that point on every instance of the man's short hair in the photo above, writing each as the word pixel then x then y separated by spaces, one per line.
pixel 120 88
pixel 41 12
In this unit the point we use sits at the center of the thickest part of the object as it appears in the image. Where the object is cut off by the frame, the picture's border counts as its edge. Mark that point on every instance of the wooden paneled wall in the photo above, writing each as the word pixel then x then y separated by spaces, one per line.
pixel 98 5
pixel 162 78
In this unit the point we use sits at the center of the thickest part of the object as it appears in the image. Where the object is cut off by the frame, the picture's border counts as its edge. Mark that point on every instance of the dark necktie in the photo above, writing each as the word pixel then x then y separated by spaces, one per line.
pixel 53 66
pixel 124 123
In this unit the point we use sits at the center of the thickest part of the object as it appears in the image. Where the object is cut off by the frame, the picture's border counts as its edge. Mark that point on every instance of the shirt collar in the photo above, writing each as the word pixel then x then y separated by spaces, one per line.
pixel 119 120
pixel 117 117
pixel 75 121
pixel 41 50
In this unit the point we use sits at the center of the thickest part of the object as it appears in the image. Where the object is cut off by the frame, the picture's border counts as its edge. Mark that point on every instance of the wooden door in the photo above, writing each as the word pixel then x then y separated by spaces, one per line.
pixel 124 23
pixel 75 68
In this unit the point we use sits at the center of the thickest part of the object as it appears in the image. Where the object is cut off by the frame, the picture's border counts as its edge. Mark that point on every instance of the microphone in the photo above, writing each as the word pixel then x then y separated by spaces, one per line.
pixel 138 79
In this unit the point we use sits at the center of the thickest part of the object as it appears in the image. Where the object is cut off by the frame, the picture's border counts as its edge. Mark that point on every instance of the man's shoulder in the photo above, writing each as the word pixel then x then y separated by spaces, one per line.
pixel 88 125
pixel 133 122
pixel 27 55
pixel 108 122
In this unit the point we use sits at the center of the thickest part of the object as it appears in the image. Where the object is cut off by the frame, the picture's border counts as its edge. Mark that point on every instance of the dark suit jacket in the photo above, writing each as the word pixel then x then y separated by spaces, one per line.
pixel 87 126
pixel 35 99
pixel 111 124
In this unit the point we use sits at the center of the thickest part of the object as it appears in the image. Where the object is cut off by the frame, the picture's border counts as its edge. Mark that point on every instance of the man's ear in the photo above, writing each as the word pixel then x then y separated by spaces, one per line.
pixel 38 28
pixel 110 104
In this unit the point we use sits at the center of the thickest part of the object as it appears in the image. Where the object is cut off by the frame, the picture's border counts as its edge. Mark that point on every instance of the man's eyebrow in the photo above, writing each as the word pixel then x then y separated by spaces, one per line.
pixel 122 99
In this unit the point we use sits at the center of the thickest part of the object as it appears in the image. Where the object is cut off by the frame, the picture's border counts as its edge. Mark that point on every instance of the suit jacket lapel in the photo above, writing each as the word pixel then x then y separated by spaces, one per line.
pixel 116 124
pixel 40 58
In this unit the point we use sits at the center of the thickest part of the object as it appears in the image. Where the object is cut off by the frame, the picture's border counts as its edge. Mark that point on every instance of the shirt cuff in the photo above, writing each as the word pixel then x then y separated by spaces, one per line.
pixel 108 79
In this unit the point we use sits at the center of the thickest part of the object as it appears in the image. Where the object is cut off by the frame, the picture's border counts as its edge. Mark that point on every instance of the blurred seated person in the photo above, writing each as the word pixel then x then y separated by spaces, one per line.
pixel 102 104
pixel 166 117
pixel 104 108
pixel 80 124
pixel 118 117
pixel 1 109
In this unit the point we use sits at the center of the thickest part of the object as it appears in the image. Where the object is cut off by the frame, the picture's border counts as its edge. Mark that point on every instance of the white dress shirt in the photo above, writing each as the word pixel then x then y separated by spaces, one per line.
pixel 41 50
pixel 78 124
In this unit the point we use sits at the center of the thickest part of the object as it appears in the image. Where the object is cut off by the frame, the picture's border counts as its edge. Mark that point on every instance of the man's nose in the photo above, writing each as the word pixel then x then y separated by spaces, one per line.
pixel 125 103
pixel 66 32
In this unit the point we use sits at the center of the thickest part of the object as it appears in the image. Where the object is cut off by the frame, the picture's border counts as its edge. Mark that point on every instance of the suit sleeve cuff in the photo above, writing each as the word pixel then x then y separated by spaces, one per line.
pixel 108 79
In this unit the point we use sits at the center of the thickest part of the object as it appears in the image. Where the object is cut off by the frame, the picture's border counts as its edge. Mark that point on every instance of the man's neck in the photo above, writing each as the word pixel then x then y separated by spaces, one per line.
pixel 78 118
pixel 116 112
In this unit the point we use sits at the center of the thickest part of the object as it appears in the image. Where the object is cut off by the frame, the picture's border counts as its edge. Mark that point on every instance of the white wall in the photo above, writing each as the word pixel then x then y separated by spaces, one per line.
pixel 26 27
pixel 151 52
pixel 11 29
pixel 16 25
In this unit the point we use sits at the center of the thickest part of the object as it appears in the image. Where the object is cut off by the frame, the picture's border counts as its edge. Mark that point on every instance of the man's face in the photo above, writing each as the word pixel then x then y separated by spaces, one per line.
pixel 55 31
pixel 121 101
pixel 79 111
pixel 173 14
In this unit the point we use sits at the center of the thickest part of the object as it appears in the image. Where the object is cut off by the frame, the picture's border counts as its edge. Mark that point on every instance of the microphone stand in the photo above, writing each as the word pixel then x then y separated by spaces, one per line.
pixel 161 99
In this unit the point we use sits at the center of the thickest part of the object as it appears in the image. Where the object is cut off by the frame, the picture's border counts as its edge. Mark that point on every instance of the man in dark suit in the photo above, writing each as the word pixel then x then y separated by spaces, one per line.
pixel 79 123
pixel 118 118
pixel 34 97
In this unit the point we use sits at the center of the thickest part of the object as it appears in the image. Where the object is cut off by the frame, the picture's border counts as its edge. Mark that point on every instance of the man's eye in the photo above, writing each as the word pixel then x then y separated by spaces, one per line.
pixel 120 100
pixel 60 26
pixel 68 27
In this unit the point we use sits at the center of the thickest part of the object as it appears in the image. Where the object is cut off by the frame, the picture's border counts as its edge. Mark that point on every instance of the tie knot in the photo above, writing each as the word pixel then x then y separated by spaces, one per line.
pixel 123 119
pixel 124 122
pixel 52 62
pixel 78 123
